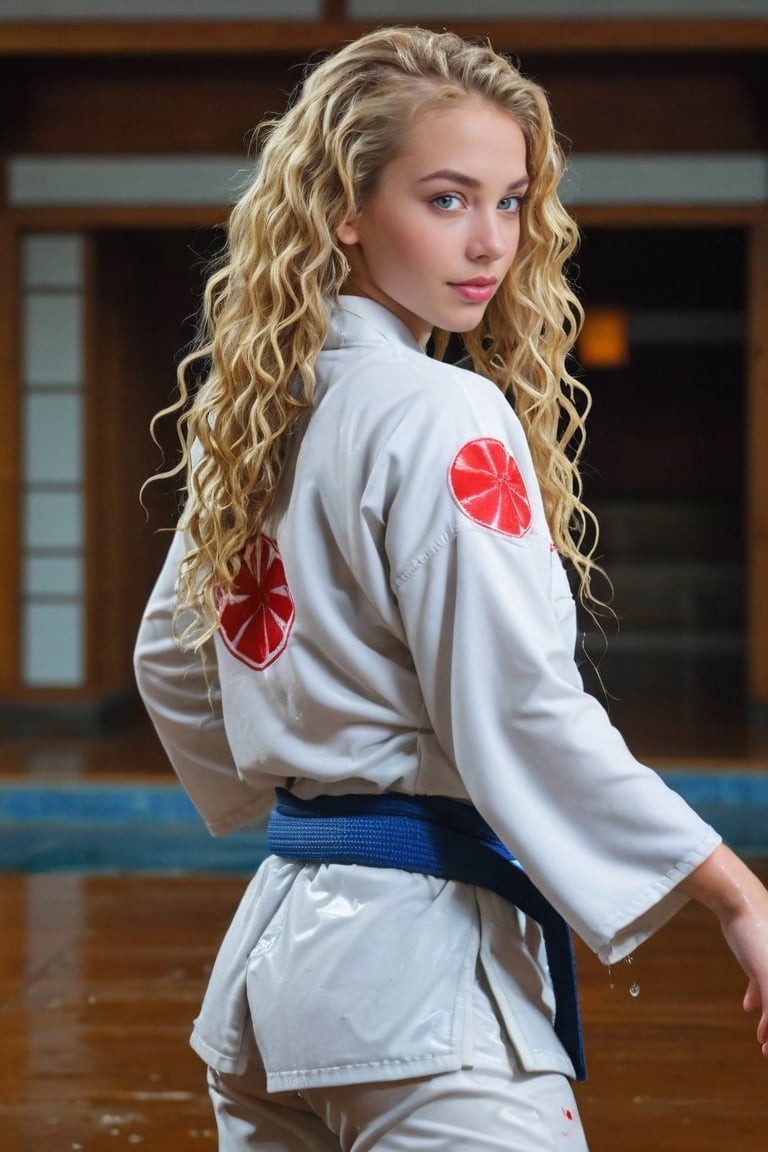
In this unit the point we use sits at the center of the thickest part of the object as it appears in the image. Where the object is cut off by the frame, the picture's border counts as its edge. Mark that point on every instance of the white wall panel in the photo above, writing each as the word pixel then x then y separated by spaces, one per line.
pixel 52 430
pixel 53 520
pixel 52 351
pixel 52 260
pixel 605 178
pixel 52 645
pixel 552 9
pixel 53 576
pixel 90 180
pixel 53 438
pixel 669 178
pixel 160 9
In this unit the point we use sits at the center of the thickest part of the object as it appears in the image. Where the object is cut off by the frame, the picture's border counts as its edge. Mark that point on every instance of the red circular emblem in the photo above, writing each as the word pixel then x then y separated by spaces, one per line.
pixel 256 617
pixel 487 485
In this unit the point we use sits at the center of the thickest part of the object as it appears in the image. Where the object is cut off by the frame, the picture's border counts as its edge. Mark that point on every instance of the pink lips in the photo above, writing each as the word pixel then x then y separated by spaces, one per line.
pixel 478 290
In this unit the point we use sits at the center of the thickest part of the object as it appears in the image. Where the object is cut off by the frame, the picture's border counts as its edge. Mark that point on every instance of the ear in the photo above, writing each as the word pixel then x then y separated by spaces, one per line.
pixel 347 232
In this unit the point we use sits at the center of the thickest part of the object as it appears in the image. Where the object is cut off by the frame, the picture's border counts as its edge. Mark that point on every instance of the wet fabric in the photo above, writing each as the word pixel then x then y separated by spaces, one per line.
pixel 414 633
pixel 439 837
pixel 493 1106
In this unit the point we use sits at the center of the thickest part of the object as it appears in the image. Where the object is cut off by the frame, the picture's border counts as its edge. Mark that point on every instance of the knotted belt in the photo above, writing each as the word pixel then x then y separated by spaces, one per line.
pixel 436 836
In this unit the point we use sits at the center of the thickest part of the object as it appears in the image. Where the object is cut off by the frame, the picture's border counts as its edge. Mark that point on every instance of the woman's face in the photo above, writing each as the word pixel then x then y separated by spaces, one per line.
pixel 439 233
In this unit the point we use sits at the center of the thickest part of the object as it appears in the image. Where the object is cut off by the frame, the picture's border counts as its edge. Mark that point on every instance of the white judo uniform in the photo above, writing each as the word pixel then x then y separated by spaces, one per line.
pixel 406 624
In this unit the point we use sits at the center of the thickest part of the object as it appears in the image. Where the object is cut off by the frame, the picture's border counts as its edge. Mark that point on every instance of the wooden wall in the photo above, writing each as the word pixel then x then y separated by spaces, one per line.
pixel 622 102
pixel 135 339
pixel 757 472
pixel 9 456
pixel 98 89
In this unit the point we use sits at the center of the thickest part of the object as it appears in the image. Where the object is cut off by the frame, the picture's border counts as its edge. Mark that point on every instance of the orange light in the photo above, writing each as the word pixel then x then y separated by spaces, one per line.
pixel 604 338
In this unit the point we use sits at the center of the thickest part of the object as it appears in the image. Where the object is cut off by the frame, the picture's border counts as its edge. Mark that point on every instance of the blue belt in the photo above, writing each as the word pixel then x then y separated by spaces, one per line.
pixel 437 837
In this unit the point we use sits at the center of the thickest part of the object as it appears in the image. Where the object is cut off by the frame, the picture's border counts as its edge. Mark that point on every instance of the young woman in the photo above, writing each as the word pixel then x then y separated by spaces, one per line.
pixel 365 609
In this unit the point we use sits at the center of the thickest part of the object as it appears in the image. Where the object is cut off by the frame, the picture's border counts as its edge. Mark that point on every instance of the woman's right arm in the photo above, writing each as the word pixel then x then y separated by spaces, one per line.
pixel 724 884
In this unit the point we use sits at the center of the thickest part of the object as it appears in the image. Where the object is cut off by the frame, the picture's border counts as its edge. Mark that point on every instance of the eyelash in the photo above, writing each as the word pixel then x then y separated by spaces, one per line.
pixel 519 200
pixel 444 196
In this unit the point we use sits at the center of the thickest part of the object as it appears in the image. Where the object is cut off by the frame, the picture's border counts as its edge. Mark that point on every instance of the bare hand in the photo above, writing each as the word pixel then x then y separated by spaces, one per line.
pixel 725 885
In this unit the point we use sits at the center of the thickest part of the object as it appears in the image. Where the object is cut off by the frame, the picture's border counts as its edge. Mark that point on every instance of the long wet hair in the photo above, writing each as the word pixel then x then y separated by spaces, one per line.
pixel 265 312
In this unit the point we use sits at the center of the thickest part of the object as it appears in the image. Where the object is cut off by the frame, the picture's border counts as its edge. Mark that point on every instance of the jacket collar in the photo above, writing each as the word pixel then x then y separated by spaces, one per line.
pixel 359 320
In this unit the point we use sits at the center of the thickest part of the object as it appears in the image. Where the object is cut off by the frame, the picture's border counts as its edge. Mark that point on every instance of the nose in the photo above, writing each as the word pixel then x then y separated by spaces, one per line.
pixel 486 240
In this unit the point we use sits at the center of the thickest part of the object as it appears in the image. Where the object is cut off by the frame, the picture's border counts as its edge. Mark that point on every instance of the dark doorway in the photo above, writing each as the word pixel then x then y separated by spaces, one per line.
pixel 146 290
pixel 664 473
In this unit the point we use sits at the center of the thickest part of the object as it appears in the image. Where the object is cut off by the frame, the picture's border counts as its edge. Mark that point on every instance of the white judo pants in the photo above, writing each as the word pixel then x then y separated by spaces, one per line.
pixel 491 1107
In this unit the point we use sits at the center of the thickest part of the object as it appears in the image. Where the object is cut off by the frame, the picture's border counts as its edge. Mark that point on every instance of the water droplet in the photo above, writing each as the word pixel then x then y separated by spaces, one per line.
pixel 628 959
pixel 634 990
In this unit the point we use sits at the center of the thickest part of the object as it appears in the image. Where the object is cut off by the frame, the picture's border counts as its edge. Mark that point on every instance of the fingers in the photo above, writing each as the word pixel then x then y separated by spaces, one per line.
pixel 752 1000
pixel 762 1032
pixel 751 997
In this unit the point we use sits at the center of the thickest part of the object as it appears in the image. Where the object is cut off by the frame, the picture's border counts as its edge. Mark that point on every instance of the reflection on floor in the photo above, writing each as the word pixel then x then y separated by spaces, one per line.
pixel 101 975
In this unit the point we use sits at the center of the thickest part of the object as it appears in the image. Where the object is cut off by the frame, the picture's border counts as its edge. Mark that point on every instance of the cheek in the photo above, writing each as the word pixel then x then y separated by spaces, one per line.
pixel 404 246
pixel 513 249
pixel 424 255
pixel 517 238
pixel 397 237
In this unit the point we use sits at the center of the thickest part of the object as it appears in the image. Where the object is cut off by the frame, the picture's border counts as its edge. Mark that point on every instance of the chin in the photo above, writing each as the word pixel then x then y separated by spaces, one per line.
pixel 464 326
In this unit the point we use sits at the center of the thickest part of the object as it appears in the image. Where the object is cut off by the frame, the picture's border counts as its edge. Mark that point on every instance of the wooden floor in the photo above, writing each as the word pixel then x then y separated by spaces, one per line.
pixel 100 978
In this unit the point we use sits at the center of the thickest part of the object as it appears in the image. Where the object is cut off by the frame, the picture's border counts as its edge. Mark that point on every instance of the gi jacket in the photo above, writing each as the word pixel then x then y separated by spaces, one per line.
pixel 405 623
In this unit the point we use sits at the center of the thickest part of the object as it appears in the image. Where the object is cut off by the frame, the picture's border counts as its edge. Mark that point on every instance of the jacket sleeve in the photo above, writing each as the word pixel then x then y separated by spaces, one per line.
pixel 600 834
pixel 180 690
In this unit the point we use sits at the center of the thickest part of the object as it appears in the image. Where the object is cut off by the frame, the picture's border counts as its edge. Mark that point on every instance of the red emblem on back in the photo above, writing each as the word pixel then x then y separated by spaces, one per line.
pixel 257 616
pixel 488 487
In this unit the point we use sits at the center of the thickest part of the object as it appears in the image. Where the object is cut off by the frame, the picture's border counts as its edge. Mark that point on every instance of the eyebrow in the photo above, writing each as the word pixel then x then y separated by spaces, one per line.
pixel 468 181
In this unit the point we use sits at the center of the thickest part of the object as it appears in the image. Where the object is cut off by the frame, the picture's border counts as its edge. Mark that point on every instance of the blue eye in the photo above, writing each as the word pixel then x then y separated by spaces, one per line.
pixel 511 203
pixel 447 201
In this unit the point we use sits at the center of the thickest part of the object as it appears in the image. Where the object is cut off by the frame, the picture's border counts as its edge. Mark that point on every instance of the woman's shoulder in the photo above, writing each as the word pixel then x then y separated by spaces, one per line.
pixel 455 396
pixel 384 380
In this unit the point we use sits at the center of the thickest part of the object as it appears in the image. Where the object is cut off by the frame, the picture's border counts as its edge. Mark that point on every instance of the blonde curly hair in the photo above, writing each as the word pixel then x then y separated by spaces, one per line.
pixel 266 309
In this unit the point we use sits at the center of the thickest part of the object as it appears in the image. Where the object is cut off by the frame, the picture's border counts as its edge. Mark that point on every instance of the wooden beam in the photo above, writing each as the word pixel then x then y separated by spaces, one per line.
pixel 151 105
pixel 73 217
pixel 57 218
pixel 757 472
pixel 334 11
pixel 611 103
pixel 667 215
pixel 232 37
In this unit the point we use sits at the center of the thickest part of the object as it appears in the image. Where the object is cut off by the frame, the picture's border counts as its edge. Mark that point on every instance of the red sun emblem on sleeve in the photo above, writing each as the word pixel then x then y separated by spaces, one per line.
pixel 488 487
pixel 256 617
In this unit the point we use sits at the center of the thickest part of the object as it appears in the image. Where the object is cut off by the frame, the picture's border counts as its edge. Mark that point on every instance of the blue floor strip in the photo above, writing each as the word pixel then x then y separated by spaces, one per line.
pixel 113 828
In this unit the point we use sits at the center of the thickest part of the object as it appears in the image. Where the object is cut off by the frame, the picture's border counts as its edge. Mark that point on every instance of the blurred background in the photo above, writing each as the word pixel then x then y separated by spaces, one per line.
pixel 124 138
